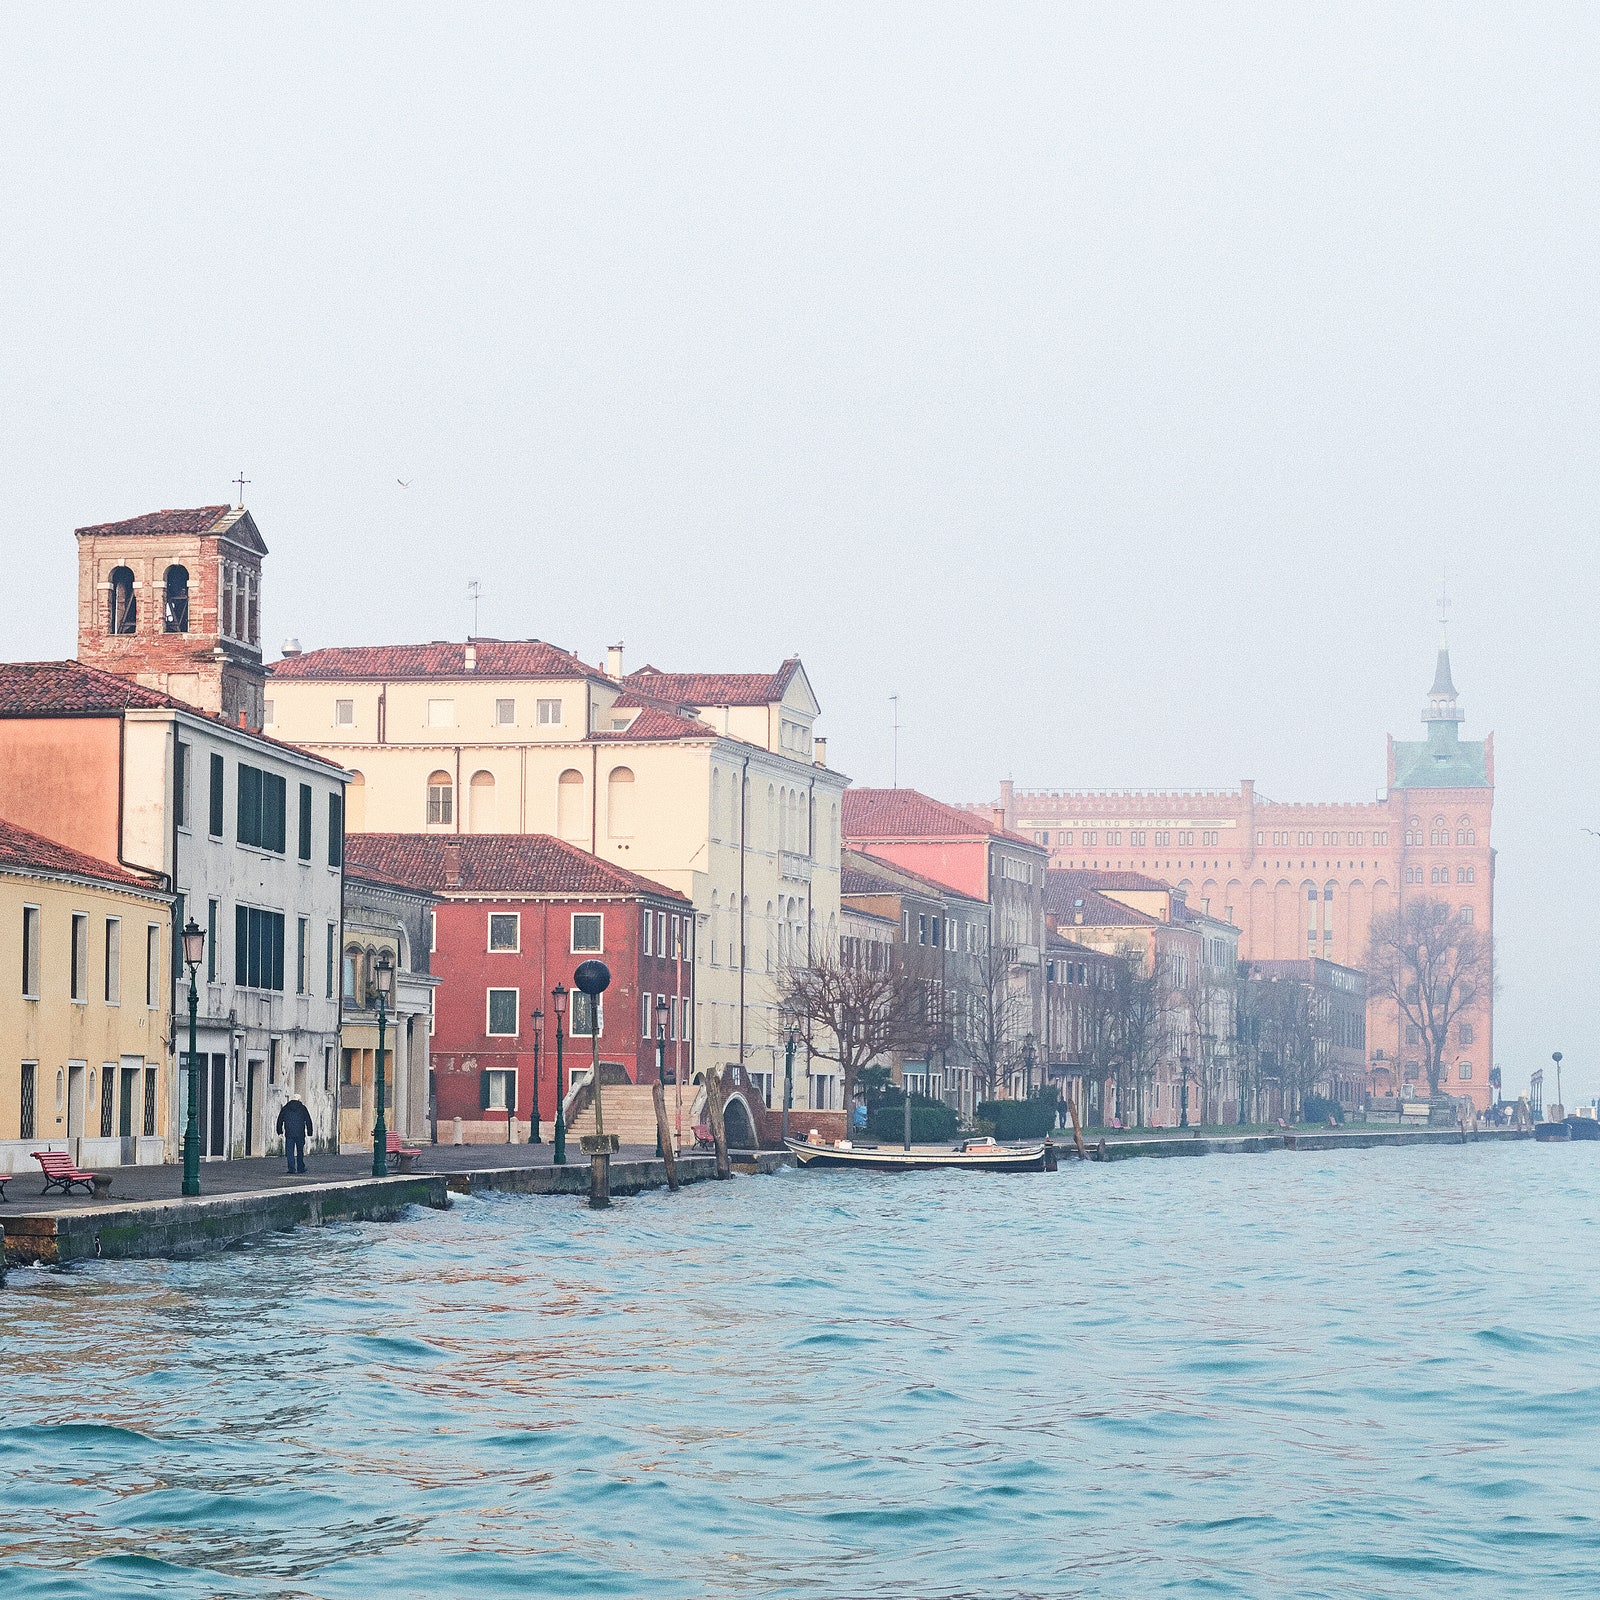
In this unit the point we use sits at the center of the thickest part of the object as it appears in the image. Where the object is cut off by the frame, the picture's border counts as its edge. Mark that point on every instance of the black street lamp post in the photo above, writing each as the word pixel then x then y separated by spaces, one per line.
pixel 383 971
pixel 558 1004
pixel 194 948
pixel 592 979
pixel 1561 1105
pixel 1183 1066
pixel 534 1135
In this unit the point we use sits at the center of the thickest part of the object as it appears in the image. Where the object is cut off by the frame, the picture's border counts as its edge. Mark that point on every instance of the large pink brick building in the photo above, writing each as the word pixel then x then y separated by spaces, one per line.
pixel 1303 880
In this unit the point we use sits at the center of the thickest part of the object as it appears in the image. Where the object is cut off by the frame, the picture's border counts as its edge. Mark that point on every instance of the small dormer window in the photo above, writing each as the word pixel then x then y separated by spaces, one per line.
pixel 175 612
pixel 124 612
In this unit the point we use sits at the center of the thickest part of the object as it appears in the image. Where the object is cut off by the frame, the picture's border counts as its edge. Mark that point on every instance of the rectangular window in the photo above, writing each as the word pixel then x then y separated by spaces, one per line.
pixel 505 713
pixel 344 713
pixel 644 1015
pixel 503 1012
pixel 433 931
pixel 585 1009
pixel 332 959
pixel 258 948
pixel 1466 1033
pixel 113 961
pixel 305 821
pixel 505 930
pixel 922 930
pixel 216 824
pixel 644 934
pixel 152 966
pixel 180 782
pixel 149 1102
pixel 263 799
pixel 1137 837
pixel 30 1101
pixel 673 1028
pixel 587 934
pixel 441 713
pixel 108 1100
pixel 302 940
pixel 549 713
pixel 677 938
pixel 30 952
pixel 335 830
pixel 211 941
pixel 80 955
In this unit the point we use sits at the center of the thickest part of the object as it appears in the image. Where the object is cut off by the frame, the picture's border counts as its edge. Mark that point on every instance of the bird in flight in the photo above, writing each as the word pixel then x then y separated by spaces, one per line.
pixel 405 483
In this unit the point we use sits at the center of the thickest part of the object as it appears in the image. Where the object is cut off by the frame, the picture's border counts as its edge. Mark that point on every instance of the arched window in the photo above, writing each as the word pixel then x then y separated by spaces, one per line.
pixel 354 986
pixel 124 614
pixel 441 800
pixel 772 818
pixel 571 824
pixel 175 615
pixel 716 803
pixel 619 802
pixel 713 924
pixel 480 803
pixel 252 628
pixel 355 803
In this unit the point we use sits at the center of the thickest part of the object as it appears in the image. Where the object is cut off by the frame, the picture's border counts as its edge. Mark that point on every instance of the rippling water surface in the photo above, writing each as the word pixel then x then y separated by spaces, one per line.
pixel 1358 1374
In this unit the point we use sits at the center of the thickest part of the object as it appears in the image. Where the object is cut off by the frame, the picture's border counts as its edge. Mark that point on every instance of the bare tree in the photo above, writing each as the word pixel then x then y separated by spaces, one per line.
pixel 1288 1039
pixel 999 1023
pixel 1142 1025
pixel 1434 965
pixel 853 1011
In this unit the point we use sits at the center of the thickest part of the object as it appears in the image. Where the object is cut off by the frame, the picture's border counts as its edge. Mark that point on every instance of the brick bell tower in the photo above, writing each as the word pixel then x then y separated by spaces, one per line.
pixel 172 600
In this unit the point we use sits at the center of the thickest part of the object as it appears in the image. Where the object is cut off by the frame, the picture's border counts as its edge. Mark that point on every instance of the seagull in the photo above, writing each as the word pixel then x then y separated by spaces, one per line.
pixel 405 483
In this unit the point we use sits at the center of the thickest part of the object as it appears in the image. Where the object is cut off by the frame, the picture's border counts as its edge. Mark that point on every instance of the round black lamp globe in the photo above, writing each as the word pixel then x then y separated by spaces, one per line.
pixel 592 977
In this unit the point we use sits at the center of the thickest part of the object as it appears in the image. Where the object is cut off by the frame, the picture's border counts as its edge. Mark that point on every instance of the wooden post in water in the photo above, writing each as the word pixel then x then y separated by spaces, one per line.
pixel 719 1136
pixel 658 1096
pixel 600 1180
pixel 1077 1132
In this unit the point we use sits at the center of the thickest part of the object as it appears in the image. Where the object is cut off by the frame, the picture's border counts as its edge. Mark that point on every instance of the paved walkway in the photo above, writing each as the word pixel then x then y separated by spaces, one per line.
pixel 269 1172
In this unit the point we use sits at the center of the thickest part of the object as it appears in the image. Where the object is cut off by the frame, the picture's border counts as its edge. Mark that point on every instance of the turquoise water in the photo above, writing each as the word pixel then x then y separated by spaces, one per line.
pixel 1354 1374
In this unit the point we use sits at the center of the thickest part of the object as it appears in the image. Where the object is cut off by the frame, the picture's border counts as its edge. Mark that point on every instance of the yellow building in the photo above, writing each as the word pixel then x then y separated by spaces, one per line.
pixel 85 1007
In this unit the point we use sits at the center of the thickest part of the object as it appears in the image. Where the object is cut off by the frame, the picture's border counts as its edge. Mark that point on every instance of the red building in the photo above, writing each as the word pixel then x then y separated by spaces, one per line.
pixel 518 913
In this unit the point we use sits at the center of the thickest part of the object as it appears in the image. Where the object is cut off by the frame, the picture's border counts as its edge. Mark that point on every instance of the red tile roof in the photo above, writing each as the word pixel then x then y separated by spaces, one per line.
pixel 654 723
pixel 714 688
pixel 57 688
pixel 906 814
pixel 201 519
pixel 22 850
pixel 1093 878
pixel 444 658
pixel 493 863
pixel 1099 911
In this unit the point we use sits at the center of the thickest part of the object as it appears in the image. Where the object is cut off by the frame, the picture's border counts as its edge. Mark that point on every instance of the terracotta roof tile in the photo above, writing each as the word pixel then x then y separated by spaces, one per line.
pixel 26 851
pixel 446 658
pixel 906 814
pixel 1069 880
pixel 44 688
pixel 200 519
pixel 654 723
pixel 493 863
pixel 1100 911
pixel 714 688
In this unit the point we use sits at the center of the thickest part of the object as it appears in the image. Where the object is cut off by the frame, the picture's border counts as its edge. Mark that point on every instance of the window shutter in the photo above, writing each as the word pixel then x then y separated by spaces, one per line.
pixel 216 797
pixel 335 829
pixel 483 1090
pixel 275 921
pixel 305 821
pixel 511 1094
pixel 241 946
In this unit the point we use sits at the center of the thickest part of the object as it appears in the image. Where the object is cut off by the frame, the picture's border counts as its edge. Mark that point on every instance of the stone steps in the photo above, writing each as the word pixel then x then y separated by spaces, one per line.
pixel 630 1114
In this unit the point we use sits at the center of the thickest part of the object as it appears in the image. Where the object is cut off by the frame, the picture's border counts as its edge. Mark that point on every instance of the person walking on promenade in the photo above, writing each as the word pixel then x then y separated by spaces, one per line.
pixel 294 1123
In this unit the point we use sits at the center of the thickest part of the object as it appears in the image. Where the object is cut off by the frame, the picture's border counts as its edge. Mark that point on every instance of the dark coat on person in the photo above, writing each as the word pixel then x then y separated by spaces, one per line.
pixel 294 1122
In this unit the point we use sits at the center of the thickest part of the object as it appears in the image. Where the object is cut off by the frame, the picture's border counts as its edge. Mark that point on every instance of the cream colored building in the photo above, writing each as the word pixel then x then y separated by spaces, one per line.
pixel 711 783
pixel 85 1008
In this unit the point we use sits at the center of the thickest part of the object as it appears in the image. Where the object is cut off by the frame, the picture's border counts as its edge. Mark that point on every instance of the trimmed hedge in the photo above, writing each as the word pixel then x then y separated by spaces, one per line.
pixel 1032 1118
pixel 1318 1108
pixel 932 1121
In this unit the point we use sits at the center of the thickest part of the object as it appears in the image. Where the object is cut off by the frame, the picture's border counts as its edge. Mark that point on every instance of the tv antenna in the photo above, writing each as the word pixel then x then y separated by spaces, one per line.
pixel 472 595
pixel 894 700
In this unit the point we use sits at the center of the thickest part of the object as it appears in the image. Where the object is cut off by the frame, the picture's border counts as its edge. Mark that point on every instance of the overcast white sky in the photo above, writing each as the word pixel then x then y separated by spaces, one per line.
pixel 1113 383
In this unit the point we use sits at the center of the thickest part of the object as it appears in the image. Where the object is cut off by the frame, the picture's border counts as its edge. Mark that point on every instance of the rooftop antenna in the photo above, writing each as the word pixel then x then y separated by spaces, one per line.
pixel 1444 611
pixel 894 700
pixel 472 595
pixel 241 480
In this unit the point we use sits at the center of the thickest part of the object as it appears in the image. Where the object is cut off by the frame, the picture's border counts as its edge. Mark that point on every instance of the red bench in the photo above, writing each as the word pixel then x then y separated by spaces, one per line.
pixel 5 1178
pixel 403 1154
pixel 59 1172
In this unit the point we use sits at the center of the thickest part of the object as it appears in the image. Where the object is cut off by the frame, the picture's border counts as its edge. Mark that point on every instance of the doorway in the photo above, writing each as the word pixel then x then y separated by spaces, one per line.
pixel 127 1108
pixel 255 1101
pixel 77 1087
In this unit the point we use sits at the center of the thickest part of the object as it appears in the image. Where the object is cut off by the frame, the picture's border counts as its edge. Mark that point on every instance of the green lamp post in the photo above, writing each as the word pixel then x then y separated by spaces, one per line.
pixel 383 974
pixel 1183 1066
pixel 592 979
pixel 194 949
pixel 788 1080
pixel 558 1004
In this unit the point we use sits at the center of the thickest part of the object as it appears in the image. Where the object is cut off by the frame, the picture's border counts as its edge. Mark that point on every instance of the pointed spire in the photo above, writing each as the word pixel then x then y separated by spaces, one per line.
pixel 1443 685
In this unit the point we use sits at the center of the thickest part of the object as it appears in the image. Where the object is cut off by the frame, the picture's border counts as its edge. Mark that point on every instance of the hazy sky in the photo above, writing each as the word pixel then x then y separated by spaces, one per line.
pixel 1113 383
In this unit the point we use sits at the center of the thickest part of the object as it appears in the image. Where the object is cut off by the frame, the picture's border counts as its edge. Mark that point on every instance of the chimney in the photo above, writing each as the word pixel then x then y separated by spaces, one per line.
pixel 452 863
pixel 471 657
pixel 614 660
pixel 820 749
pixel 1008 807
pixel 291 647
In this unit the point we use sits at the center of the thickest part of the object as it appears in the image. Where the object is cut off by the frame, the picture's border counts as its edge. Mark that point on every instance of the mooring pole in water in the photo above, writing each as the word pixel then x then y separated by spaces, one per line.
pixel 600 1180
pixel 719 1136
pixel 658 1096
pixel 1077 1133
